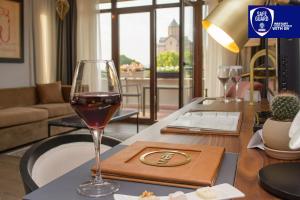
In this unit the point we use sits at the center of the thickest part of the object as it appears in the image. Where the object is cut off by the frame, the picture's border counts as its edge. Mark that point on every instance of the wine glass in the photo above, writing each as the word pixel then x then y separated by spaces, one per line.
pixel 235 74
pixel 95 97
pixel 223 76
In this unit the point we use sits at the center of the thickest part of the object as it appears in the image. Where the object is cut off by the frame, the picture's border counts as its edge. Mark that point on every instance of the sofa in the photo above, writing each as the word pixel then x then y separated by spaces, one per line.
pixel 24 118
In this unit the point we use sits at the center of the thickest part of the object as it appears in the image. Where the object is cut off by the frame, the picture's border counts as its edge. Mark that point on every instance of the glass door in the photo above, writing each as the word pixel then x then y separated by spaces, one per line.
pixel 167 60
pixel 134 61
pixel 188 53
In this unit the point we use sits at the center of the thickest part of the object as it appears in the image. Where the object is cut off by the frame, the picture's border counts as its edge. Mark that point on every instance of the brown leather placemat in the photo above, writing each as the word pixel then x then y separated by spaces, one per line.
pixel 200 171
pixel 173 130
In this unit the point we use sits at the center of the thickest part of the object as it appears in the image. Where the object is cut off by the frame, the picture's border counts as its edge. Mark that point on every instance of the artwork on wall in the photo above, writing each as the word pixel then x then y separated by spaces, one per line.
pixel 11 31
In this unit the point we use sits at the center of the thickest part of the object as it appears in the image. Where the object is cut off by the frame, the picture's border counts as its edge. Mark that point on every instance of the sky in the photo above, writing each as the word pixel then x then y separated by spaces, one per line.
pixel 135 32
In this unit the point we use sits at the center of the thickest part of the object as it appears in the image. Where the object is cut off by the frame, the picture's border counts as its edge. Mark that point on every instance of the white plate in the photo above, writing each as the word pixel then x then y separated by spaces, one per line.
pixel 222 191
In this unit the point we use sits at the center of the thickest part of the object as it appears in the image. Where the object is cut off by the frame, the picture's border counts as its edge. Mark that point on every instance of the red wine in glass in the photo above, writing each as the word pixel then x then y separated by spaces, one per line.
pixel 95 97
pixel 96 109
pixel 223 80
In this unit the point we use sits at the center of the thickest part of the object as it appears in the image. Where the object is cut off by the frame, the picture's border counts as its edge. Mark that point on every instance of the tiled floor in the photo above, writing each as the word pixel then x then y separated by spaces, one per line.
pixel 11 187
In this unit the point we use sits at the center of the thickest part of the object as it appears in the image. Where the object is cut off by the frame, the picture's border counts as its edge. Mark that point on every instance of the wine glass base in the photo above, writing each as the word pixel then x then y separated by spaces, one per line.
pixel 238 100
pixel 226 100
pixel 90 189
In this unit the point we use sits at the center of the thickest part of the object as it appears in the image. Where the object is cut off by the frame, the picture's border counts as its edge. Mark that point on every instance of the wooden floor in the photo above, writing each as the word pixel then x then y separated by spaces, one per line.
pixel 11 187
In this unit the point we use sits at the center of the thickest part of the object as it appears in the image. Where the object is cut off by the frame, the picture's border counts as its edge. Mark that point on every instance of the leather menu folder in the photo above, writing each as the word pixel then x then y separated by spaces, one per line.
pixel 177 129
pixel 191 166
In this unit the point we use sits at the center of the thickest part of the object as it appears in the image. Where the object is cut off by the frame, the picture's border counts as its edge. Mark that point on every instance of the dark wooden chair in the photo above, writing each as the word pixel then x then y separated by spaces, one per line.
pixel 55 156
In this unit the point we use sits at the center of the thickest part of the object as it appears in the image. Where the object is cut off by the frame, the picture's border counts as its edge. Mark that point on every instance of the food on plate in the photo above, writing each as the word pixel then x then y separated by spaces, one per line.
pixel 206 193
pixel 148 196
pixel 177 196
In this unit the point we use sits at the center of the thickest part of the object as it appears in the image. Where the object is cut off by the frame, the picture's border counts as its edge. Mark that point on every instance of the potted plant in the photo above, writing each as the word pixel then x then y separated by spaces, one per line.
pixel 284 108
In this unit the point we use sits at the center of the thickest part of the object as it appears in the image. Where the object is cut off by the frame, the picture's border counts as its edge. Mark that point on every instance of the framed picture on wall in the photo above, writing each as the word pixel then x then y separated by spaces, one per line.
pixel 11 31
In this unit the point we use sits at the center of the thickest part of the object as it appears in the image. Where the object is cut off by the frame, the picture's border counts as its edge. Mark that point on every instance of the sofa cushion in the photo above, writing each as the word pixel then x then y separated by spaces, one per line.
pixel 50 93
pixel 18 97
pixel 56 109
pixel 21 115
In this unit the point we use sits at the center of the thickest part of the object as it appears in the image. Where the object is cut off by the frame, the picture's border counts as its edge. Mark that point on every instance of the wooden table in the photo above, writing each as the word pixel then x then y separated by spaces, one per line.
pixel 250 160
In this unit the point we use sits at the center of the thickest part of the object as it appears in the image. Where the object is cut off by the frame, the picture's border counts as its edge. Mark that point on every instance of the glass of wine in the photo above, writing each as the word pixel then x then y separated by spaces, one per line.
pixel 95 97
pixel 223 76
pixel 235 74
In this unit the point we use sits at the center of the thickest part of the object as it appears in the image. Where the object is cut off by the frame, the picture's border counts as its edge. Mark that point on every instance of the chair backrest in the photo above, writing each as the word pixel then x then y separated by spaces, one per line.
pixel 53 157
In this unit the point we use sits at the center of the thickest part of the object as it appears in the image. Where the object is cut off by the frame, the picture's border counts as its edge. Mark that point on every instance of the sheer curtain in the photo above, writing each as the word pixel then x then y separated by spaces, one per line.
pixel 214 55
pixel 87 39
pixel 44 40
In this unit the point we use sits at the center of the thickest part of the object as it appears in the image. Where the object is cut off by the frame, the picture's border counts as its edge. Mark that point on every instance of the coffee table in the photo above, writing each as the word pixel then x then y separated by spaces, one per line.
pixel 75 122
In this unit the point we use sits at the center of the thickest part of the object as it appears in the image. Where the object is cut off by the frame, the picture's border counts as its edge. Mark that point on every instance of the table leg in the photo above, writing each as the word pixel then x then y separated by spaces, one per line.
pixel 49 130
pixel 144 100
pixel 137 123
pixel 157 100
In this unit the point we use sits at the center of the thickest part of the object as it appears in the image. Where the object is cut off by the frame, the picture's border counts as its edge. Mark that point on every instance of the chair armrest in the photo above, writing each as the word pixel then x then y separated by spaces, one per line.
pixel 66 90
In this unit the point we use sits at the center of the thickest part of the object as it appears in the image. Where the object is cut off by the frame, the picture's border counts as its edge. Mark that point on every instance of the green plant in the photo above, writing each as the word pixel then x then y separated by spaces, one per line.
pixel 285 107
pixel 168 58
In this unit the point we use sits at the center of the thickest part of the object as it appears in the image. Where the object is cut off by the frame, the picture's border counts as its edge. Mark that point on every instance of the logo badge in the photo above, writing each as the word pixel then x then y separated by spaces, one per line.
pixel 165 158
pixel 262 20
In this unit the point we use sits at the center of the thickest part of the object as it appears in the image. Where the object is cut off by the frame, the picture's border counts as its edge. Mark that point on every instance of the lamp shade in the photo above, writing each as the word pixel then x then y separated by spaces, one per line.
pixel 228 23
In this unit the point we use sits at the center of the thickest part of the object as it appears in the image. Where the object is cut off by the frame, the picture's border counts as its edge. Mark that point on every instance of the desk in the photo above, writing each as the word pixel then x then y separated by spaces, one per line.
pixel 250 160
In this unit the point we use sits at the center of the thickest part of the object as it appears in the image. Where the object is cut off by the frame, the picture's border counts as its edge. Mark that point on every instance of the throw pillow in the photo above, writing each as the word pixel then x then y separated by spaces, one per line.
pixel 50 93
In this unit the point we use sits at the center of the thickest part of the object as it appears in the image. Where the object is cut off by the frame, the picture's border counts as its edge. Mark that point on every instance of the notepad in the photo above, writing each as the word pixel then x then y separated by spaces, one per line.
pixel 203 120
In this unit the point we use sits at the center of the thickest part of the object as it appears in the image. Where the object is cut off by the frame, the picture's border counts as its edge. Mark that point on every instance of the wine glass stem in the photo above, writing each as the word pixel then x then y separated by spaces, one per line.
pixel 97 137
pixel 225 88
pixel 236 90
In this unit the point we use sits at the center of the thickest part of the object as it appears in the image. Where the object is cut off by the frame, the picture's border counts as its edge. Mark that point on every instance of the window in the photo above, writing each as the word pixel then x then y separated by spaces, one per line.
pixel 105 4
pixel 166 1
pixel 133 3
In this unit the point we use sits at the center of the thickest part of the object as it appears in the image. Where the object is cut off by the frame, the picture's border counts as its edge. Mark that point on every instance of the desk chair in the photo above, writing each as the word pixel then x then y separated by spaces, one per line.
pixel 55 156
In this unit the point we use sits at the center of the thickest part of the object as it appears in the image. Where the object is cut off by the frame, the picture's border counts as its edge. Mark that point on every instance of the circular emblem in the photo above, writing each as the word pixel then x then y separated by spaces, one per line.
pixel 165 158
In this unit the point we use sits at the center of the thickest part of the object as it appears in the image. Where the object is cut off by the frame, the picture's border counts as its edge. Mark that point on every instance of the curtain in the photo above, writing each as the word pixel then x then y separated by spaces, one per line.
pixel 87 30
pixel 66 44
pixel 44 40
pixel 87 39
pixel 214 55
pixel 28 19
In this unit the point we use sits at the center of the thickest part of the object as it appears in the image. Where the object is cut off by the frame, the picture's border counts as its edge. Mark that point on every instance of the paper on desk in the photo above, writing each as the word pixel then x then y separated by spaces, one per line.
pixel 256 141
pixel 222 121
pixel 222 191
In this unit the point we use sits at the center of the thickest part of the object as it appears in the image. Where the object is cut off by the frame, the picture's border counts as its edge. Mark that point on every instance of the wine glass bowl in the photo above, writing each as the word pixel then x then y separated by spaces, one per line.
pixel 223 76
pixel 95 97
pixel 235 74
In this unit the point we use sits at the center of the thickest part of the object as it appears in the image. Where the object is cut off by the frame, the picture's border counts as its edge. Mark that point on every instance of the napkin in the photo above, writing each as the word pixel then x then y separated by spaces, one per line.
pixel 256 141
pixel 222 192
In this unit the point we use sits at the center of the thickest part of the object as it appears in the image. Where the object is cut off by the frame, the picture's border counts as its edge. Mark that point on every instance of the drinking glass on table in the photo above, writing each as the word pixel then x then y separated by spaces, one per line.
pixel 95 97
pixel 223 76
pixel 235 74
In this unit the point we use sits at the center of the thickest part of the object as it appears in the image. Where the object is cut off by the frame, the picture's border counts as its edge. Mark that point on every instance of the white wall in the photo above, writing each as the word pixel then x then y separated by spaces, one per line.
pixel 19 74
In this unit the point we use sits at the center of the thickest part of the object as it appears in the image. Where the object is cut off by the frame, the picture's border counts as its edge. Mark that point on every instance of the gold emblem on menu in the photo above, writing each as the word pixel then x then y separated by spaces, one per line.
pixel 165 158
